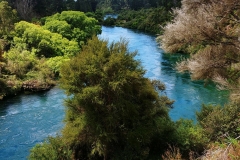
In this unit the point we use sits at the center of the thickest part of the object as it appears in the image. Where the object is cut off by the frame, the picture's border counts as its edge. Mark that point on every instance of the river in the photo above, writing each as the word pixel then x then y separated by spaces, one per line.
pixel 28 119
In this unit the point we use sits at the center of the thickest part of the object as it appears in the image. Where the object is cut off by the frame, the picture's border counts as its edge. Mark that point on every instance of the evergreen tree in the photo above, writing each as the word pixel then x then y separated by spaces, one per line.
pixel 113 111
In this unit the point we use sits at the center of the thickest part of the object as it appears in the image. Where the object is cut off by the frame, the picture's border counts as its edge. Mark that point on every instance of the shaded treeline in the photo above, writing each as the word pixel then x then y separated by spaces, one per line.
pixel 28 9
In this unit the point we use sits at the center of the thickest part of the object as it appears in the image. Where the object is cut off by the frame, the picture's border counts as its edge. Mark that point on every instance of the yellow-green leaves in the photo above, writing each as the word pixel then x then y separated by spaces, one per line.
pixel 47 43
pixel 73 25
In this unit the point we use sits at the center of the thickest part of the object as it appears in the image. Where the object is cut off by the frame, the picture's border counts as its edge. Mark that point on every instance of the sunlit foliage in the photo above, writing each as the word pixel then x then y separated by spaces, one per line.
pixel 113 111
pixel 73 25
pixel 53 148
pixel 48 44
pixel 30 58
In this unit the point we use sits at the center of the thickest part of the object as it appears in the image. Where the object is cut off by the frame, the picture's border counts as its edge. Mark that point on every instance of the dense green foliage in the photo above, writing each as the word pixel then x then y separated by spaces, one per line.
pixel 72 25
pixel 112 111
pixel 45 42
pixel 53 149
pixel 23 70
pixel 119 108
pixel 29 9
pixel 32 55
pixel 116 5
pixel 109 21
pixel 148 20
pixel 220 122
pixel 189 136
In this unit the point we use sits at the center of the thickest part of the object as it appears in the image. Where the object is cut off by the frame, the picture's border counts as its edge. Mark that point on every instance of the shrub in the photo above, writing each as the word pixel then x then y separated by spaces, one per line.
pixel 53 149
pixel 219 121
pixel 73 25
pixel 189 137
pixel 30 36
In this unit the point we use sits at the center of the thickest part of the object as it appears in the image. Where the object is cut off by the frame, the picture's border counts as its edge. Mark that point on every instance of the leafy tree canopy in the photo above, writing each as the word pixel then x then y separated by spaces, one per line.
pixel 48 44
pixel 113 111
pixel 73 25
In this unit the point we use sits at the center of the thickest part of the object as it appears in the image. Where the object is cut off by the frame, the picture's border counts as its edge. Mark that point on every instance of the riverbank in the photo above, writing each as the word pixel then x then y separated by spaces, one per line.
pixel 12 89
pixel 150 20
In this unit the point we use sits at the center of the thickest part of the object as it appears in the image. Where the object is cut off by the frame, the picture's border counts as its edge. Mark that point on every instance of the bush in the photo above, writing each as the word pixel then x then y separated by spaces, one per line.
pixel 53 148
pixel 218 121
pixel 148 20
pixel 30 36
pixel 113 111
pixel 189 137
pixel 73 25
pixel 55 63
pixel 109 21
pixel 19 62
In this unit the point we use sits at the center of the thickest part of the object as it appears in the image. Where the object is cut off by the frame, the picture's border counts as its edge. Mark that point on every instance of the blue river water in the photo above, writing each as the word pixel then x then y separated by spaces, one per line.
pixel 28 119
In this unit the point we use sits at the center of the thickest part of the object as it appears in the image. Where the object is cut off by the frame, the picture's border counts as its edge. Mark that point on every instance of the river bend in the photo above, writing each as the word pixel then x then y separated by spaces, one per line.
pixel 28 119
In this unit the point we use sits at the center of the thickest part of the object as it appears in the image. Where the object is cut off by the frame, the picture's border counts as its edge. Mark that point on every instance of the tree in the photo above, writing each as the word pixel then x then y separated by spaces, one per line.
pixel 30 36
pixel 70 5
pixel 84 5
pixel 25 8
pixel 209 31
pixel 73 25
pixel 8 17
pixel 220 122
pixel 113 110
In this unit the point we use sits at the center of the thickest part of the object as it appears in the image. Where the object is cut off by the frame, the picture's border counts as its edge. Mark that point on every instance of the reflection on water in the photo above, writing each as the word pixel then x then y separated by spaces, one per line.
pixel 28 119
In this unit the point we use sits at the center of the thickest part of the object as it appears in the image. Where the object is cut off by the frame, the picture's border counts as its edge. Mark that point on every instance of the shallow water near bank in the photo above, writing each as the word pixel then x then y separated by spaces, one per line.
pixel 28 119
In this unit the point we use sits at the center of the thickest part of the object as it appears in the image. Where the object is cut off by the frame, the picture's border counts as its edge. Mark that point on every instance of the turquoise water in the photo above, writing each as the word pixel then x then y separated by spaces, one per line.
pixel 188 95
pixel 28 119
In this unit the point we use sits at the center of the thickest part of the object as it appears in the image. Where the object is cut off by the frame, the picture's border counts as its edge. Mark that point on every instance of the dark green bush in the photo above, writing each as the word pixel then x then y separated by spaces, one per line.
pixel 189 137
pixel 219 122
pixel 109 21
pixel 148 20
